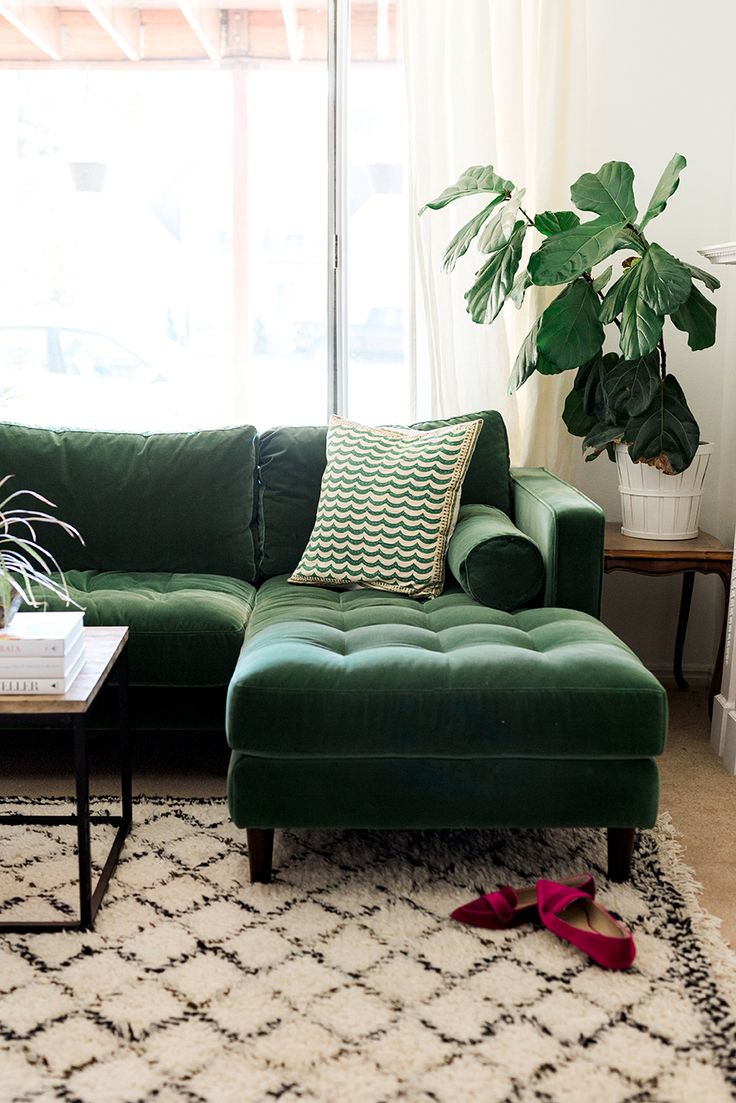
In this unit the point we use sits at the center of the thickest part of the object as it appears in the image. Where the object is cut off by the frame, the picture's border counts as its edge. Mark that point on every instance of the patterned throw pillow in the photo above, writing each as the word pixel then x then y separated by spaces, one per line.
pixel 387 508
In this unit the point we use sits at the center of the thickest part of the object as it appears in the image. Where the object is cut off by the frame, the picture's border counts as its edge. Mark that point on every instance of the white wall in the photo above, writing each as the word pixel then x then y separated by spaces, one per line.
pixel 662 80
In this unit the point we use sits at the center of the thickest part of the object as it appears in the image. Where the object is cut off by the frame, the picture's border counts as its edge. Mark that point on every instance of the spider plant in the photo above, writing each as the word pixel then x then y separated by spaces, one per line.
pixel 25 565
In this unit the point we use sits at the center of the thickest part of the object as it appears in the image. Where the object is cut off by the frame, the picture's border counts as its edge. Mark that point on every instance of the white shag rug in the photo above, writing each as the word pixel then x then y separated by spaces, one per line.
pixel 345 981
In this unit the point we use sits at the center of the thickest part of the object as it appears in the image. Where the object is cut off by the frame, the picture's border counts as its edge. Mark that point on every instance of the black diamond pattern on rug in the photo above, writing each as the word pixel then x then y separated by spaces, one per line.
pixel 345 979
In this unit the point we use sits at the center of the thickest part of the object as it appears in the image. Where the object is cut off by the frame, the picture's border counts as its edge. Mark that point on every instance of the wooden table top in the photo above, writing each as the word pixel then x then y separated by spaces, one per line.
pixel 102 647
pixel 703 546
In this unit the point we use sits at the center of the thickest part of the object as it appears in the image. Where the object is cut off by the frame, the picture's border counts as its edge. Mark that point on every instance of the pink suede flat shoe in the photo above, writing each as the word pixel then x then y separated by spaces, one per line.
pixel 509 907
pixel 574 916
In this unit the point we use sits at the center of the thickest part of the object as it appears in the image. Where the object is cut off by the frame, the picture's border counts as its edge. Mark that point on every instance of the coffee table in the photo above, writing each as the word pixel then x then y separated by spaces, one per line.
pixel 106 650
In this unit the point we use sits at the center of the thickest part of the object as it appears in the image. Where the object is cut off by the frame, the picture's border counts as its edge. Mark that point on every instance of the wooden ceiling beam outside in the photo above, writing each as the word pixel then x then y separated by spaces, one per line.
pixel 40 25
pixel 191 31
pixel 237 34
pixel 123 25
pixel 291 26
pixel 383 39
pixel 206 22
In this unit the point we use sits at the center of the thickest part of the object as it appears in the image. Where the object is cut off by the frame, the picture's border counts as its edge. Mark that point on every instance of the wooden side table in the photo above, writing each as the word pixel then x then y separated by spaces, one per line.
pixel 106 649
pixel 703 555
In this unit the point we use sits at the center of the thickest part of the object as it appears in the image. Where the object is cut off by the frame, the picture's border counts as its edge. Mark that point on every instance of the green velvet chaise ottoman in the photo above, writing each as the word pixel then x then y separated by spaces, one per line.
pixel 358 708
pixel 367 709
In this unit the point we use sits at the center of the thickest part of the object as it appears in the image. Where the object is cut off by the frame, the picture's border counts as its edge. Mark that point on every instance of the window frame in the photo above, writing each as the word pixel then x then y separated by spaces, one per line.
pixel 220 46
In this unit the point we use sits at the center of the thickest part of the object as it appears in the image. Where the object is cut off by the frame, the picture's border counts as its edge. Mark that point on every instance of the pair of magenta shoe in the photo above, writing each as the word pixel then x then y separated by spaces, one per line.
pixel 567 908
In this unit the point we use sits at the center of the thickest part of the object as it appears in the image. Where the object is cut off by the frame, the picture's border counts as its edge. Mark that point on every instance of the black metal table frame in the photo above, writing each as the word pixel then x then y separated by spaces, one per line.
pixel 89 899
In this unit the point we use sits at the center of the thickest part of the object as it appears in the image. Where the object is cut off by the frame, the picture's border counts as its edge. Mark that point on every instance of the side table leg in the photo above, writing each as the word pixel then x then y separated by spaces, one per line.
pixel 81 771
pixel 688 580
pixel 715 682
pixel 126 767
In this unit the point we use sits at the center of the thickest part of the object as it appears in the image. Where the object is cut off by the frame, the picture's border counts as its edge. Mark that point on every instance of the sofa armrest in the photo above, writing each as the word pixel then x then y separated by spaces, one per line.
pixel 569 530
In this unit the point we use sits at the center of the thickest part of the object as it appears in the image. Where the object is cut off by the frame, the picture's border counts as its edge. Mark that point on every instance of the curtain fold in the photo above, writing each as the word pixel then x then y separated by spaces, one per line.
pixel 500 82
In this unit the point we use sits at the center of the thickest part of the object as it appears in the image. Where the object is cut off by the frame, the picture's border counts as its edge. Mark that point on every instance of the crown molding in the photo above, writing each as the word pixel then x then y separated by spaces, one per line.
pixel 720 254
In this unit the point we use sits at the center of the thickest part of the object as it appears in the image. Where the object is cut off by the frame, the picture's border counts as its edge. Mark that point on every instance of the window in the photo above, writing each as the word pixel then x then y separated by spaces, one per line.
pixel 165 192
pixel 377 252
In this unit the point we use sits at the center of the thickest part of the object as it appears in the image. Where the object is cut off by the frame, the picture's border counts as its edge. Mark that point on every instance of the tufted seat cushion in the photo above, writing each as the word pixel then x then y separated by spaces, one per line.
pixel 185 629
pixel 364 673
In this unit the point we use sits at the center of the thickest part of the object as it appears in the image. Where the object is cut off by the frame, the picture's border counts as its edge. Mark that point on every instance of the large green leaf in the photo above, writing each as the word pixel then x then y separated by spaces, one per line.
pixel 666 435
pixel 697 317
pixel 668 184
pixel 571 332
pixel 554 222
pixel 477 178
pixel 641 327
pixel 586 383
pixel 462 239
pixel 632 385
pixel 608 192
pixel 600 437
pixel 545 366
pixel 578 422
pixel 605 413
pixel 495 279
pixel 588 380
pixel 526 359
pixel 664 283
pixel 567 255
pixel 613 303
pixel 629 239
pixel 600 281
pixel 500 228
pixel 705 277
pixel 521 283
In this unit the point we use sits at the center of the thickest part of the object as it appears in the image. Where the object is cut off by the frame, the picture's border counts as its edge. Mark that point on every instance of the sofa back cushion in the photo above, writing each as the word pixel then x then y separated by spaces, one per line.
pixel 292 460
pixel 142 502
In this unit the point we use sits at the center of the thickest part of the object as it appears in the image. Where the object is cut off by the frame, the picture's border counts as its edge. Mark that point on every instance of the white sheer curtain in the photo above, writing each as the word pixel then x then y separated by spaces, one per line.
pixel 500 82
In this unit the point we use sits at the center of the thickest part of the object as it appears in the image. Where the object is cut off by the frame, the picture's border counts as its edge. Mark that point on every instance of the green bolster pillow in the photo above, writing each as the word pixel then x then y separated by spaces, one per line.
pixel 493 561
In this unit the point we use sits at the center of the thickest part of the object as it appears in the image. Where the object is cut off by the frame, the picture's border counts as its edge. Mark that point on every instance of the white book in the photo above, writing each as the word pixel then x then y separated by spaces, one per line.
pixel 42 666
pixel 37 686
pixel 39 634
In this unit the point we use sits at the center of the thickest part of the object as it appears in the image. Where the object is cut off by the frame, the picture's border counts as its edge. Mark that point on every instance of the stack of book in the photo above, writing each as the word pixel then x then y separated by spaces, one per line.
pixel 41 652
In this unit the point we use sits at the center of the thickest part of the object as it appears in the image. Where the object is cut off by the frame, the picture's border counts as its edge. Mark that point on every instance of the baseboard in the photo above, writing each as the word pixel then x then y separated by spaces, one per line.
pixel 697 674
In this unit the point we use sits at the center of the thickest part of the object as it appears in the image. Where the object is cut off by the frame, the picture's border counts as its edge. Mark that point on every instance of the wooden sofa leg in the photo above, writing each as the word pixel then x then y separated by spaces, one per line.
pixel 260 853
pixel 620 848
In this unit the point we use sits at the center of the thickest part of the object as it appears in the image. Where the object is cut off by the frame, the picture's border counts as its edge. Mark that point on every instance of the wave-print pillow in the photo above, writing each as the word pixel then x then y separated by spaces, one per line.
pixel 387 508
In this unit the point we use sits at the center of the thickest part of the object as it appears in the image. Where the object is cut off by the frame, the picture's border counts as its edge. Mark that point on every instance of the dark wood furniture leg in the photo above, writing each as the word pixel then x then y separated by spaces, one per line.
pixel 688 581
pixel 715 682
pixel 703 555
pixel 620 849
pixel 260 853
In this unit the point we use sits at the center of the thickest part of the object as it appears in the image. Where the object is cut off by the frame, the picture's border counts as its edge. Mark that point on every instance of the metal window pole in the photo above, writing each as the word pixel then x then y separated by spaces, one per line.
pixel 338 63
pixel 241 363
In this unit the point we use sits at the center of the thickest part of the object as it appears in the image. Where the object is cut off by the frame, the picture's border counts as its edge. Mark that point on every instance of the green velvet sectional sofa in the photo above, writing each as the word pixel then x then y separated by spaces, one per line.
pixel 356 707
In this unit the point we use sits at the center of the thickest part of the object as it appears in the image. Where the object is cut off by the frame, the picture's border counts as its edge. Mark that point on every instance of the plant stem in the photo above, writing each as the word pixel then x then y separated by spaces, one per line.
pixel 526 216
pixel 587 276
pixel 662 357
pixel 638 235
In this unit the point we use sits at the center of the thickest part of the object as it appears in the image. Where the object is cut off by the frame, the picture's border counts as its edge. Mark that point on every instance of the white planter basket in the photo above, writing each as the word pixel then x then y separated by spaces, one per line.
pixel 657 506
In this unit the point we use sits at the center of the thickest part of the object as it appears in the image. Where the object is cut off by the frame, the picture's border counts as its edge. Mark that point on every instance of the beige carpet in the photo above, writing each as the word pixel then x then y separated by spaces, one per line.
pixel 345 978
pixel 701 797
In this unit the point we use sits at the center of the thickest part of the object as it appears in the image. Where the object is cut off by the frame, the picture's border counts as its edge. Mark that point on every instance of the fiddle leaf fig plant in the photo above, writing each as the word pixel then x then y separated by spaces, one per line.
pixel 626 396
